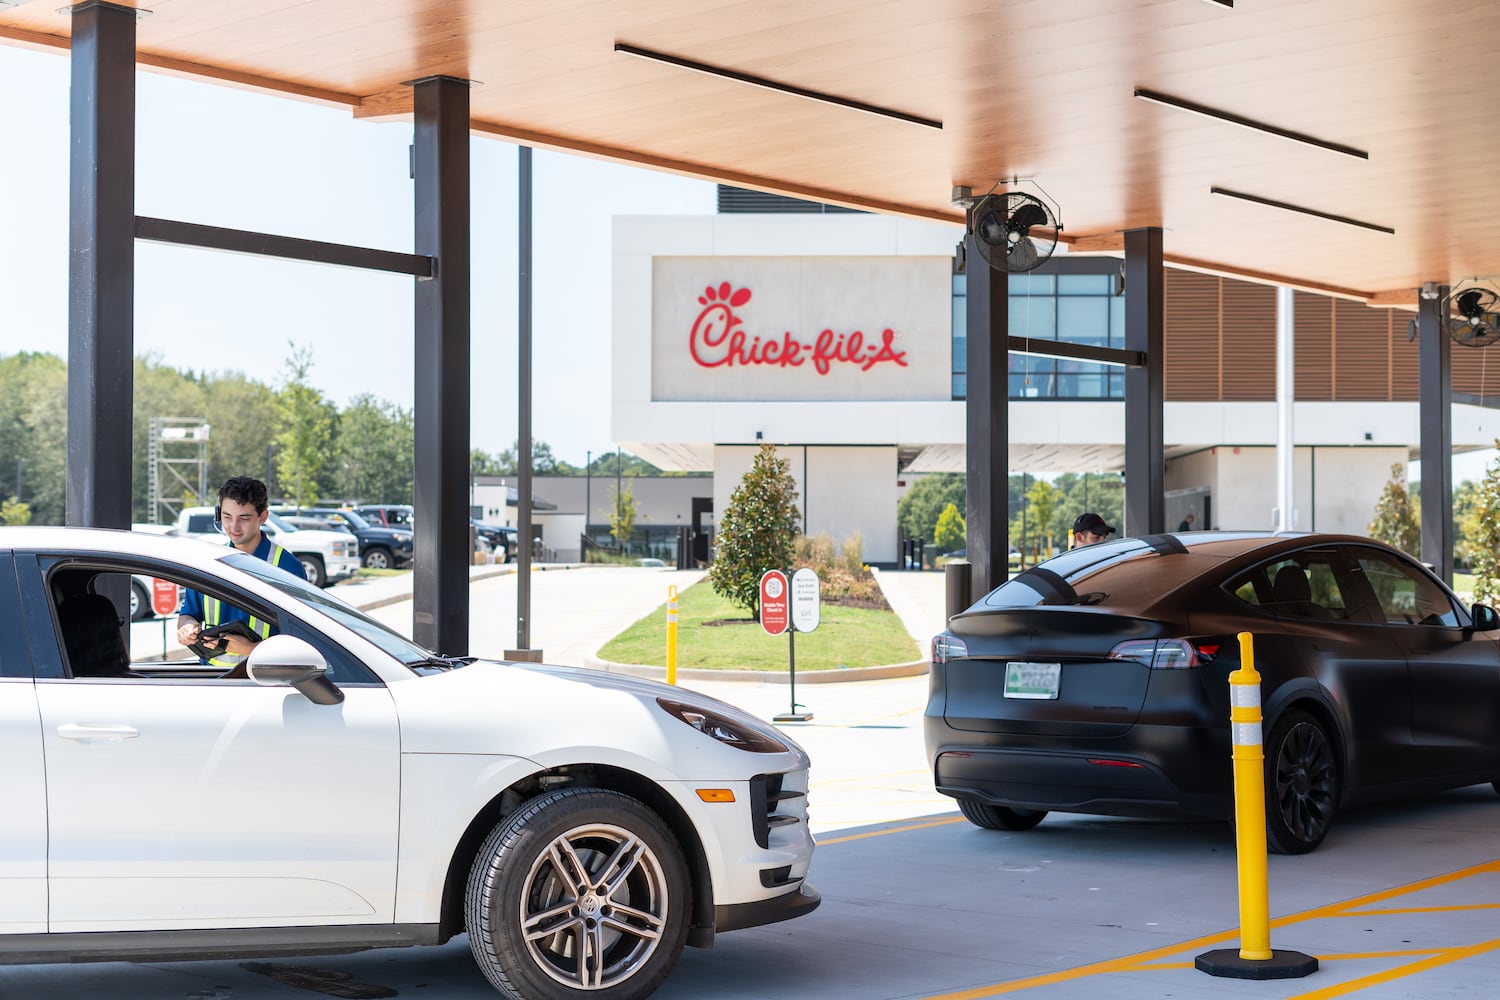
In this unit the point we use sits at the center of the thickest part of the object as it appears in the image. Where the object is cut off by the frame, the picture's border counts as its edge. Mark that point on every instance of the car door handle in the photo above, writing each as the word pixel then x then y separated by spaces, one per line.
pixel 97 732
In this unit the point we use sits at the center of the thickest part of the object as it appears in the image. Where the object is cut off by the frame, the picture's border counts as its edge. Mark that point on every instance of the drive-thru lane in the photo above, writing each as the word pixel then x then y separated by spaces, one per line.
pixel 1399 903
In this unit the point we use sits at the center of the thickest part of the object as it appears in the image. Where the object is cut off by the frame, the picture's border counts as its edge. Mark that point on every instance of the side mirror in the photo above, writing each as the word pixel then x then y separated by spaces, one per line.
pixel 286 661
pixel 1486 619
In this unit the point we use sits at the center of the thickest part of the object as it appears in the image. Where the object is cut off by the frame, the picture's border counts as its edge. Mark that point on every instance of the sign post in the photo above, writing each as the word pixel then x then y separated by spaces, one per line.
pixel 774 588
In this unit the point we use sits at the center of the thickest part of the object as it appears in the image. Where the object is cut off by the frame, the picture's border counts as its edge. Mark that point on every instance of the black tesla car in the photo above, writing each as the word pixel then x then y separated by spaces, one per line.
pixel 1097 682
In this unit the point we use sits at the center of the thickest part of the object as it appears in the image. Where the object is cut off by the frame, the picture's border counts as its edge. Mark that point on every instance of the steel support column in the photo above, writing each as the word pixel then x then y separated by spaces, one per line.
pixel 440 592
pixel 1145 463
pixel 987 424
pixel 101 265
pixel 1435 417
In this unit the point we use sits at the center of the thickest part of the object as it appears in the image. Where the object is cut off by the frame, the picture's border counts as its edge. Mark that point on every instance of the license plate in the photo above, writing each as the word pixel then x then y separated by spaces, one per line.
pixel 1032 680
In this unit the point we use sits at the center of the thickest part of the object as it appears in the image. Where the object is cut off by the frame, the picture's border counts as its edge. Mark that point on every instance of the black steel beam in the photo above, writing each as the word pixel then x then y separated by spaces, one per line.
pixel 101 265
pixel 440 596
pixel 1145 462
pixel 1075 352
pixel 267 245
pixel 523 399
pixel 1435 432
pixel 987 423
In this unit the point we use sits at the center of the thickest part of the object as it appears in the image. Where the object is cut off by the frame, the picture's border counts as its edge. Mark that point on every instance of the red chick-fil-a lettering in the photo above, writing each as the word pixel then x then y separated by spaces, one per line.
pixel 718 339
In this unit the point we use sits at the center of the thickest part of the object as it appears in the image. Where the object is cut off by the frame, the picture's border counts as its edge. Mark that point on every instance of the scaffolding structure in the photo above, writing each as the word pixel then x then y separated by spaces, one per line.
pixel 177 458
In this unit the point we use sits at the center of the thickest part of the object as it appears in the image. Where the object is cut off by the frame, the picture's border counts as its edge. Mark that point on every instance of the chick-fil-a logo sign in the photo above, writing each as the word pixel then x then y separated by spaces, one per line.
pixel 719 340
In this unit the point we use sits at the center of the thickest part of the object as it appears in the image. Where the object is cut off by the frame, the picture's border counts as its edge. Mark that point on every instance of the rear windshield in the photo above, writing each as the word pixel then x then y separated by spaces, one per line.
pixel 1129 572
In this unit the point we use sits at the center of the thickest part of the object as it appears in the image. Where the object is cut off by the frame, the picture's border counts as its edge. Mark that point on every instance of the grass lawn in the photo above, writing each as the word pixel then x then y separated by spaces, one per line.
pixel 845 637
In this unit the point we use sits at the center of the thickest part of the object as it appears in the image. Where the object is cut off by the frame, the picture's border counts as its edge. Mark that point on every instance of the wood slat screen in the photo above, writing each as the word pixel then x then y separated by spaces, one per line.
pixel 1249 352
pixel 1312 346
pixel 1362 351
pixel 1190 320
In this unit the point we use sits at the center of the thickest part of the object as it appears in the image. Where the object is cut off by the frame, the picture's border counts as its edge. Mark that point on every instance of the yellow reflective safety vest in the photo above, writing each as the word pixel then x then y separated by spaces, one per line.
pixel 213 612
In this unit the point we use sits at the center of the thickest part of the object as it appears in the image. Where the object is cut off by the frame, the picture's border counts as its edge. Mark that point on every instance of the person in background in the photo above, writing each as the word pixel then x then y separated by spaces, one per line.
pixel 1090 529
pixel 240 512
pixel 1187 523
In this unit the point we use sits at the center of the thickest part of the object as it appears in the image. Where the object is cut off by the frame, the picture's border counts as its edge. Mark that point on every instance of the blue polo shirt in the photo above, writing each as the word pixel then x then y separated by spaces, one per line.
pixel 192 601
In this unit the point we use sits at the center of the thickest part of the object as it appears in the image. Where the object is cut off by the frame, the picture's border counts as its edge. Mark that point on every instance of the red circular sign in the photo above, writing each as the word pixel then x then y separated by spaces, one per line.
pixel 163 596
pixel 773 601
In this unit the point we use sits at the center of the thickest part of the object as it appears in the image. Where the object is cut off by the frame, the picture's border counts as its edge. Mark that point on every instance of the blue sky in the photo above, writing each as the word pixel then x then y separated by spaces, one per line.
pixel 226 157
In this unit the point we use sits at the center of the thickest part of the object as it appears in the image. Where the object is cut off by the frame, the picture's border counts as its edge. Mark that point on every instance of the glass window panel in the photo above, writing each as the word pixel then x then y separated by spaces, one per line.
pixel 960 354
pixel 1085 284
pixel 1078 380
pixel 1117 321
pixel 1032 284
pixel 960 386
pixel 1083 320
pixel 1033 317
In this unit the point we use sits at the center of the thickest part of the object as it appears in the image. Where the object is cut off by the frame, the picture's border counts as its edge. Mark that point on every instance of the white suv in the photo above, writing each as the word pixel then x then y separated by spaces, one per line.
pixel 327 556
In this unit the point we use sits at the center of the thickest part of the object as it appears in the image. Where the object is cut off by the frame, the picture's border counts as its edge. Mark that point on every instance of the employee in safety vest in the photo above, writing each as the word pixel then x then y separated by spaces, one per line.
pixel 240 512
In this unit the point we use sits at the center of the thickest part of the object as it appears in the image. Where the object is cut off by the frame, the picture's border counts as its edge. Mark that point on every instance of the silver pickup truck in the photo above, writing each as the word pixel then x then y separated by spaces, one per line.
pixel 327 556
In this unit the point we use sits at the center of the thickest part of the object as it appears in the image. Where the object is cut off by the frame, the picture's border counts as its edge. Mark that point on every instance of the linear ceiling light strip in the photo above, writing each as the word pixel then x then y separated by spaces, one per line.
pixel 1257 199
pixel 1169 101
pixel 780 88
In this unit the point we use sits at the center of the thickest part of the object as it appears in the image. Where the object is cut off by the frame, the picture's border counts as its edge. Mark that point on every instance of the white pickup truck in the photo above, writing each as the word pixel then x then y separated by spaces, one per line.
pixel 327 556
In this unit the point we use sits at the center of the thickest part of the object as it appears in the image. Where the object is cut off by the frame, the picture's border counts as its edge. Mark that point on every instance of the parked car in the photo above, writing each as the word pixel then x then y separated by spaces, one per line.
pixel 141 608
pixel 500 538
pixel 389 515
pixel 1097 682
pixel 380 547
pixel 326 557
pixel 359 791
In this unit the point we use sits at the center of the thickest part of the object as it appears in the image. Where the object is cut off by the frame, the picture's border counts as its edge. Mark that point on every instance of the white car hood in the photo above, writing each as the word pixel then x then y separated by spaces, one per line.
pixel 531 710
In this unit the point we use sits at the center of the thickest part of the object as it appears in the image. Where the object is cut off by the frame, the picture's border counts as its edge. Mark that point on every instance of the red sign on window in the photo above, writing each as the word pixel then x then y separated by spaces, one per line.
pixel 163 596
pixel 773 601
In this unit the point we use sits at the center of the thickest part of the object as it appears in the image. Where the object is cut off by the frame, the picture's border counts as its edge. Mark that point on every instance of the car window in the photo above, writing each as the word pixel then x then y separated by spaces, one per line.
pixel 1406 595
pixel 1302 584
pixel 1111 574
pixel 94 645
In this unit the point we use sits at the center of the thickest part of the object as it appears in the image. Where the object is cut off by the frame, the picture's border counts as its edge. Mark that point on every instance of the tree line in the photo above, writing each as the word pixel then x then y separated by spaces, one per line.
pixel 305 447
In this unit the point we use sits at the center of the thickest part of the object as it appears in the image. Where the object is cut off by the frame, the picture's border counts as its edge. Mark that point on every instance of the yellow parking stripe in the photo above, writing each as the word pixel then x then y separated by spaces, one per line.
pixel 1153 960
pixel 882 833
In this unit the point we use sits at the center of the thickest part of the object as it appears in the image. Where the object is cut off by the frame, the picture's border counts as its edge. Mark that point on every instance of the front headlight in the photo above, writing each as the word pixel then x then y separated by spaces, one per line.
pixel 725 730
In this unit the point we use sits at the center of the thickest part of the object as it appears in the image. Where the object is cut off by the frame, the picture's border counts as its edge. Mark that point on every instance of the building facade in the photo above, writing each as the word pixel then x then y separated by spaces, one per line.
pixel 839 338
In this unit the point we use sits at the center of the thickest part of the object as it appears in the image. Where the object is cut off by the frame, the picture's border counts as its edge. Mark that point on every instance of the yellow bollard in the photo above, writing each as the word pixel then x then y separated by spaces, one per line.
pixel 672 634
pixel 1255 959
pixel 1250 805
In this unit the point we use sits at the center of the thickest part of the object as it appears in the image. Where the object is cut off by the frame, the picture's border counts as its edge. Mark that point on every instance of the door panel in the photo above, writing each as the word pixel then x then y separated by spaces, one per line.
pixel 23 816
pixel 217 803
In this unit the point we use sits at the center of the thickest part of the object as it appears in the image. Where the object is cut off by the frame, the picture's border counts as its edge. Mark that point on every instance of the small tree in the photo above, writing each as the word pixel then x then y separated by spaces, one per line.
pixel 306 439
pixel 13 511
pixel 1397 522
pixel 951 531
pixel 1043 499
pixel 756 531
pixel 622 516
pixel 1485 539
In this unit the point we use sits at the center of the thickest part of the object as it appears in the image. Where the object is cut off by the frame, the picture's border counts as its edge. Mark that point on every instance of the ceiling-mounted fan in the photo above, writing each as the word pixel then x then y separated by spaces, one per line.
pixel 1014 231
pixel 1473 318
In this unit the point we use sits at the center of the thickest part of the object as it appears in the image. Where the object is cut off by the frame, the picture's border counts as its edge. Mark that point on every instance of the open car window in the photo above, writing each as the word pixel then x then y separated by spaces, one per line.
pixel 90 605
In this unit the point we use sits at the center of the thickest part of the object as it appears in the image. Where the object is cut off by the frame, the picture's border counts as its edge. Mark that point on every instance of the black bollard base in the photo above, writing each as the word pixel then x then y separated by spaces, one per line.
pixel 792 717
pixel 1227 963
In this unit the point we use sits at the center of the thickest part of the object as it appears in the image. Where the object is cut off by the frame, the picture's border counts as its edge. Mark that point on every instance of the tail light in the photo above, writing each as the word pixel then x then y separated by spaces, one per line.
pixel 1158 654
pixel 946 647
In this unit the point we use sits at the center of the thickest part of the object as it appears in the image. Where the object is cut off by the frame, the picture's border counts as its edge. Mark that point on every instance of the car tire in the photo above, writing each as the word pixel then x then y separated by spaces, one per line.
pixel 1302 784
pixel 377 557
pixel 630 918
pixel 312 566
pixel 982 814
pixel 140 602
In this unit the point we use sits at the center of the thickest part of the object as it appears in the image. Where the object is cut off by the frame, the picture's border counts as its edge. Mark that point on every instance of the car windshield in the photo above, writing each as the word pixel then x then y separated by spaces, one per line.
pixel 355 521
pixel 1121 572
pixel 356 621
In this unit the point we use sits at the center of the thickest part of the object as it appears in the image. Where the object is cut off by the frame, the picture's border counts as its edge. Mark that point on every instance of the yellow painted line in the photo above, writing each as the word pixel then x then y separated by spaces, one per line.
pixel 1343 909
pixel 882 833
pixel 1425 909
pixel 1445 957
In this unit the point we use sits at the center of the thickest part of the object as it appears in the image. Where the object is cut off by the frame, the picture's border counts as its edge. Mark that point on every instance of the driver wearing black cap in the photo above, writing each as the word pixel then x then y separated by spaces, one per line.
pixel 1090 528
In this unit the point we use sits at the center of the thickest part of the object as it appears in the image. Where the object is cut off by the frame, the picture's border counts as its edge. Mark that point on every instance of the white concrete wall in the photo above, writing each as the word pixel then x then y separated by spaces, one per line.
pixel 1336 487
pixel 840 489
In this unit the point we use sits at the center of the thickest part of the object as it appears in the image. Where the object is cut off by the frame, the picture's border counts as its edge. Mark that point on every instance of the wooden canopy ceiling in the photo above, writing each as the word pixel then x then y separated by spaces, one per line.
pixel 1040 90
